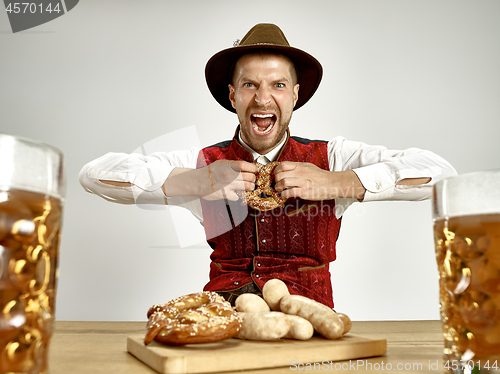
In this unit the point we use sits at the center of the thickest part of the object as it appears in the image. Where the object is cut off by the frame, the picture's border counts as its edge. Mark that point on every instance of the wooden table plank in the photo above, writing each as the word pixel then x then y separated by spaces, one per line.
pixel 101 348
pixel 235 354
pixel 94 347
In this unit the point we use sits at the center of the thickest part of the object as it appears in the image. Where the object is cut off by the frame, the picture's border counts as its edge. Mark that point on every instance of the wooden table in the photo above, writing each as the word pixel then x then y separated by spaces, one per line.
pixel 100 347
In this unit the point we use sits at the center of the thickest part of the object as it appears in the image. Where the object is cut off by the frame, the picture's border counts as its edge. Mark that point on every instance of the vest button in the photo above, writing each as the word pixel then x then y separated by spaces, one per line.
pixel 258 265
pixel 236 283
pixel 263 240
pixel 262 220
pixel 256 275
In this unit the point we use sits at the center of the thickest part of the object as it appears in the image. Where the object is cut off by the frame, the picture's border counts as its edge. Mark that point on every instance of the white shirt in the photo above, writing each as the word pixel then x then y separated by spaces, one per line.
pixel 263 159
pixel 378 169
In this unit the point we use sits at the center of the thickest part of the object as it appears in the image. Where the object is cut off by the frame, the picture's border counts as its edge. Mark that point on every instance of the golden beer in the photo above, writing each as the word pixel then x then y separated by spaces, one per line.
pixel 29 241
pixel 32 187
pixel 467 244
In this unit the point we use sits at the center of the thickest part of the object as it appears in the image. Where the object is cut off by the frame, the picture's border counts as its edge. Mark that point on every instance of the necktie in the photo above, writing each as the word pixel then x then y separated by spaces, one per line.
pixel 263 160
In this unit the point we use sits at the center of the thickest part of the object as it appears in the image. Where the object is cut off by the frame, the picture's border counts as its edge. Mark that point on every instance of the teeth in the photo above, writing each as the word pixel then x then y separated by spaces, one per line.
pixel 256 128
pixel 262 115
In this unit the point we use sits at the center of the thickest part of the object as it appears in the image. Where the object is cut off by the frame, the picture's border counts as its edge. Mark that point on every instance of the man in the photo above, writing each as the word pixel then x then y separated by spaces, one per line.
pixel 263 80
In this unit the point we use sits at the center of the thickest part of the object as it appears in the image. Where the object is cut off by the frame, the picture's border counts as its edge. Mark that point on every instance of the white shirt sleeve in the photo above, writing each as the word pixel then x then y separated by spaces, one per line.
pixel 380 169
pixel 146 175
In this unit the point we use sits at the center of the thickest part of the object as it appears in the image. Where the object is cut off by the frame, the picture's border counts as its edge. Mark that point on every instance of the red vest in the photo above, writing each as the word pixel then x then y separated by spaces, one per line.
pixel 295 243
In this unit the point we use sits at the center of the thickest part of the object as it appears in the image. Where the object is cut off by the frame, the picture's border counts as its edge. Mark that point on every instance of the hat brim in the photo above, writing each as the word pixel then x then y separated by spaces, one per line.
pixel 219 67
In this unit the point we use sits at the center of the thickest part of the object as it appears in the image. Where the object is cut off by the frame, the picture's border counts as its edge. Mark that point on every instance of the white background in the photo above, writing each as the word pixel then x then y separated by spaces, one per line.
pixel 115 75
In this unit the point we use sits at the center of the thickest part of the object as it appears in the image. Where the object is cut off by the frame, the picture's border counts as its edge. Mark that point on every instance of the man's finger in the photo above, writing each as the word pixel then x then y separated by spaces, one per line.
pixel 290 192
pixel 242 186
pixel 244 166
pixel 285 166
pixel 285 170
pixel 231 195
pixel 284 183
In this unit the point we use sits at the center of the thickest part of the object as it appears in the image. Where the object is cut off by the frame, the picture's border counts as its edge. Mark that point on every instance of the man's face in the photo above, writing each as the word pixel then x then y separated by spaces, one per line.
pixel 264 93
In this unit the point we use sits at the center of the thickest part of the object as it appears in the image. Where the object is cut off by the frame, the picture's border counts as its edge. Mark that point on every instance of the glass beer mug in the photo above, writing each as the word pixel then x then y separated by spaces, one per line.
pixel 31 197
pixel 466 213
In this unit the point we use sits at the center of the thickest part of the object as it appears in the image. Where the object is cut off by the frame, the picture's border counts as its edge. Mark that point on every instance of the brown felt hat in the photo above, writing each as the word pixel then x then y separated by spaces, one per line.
pixel 219 69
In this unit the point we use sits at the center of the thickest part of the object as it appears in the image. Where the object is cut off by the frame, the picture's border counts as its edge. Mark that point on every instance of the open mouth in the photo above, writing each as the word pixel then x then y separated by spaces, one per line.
pixel 263 123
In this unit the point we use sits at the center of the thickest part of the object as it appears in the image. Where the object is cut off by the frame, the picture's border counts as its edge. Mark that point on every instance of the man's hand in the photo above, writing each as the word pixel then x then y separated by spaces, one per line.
pixel 216 181
pixel 309 182
pixel 229 176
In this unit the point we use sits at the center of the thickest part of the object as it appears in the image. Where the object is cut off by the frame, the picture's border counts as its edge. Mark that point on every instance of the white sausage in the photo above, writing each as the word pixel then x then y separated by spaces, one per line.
pixel 273 291
pixel 300 328
pixel 325 320
pixel 250 303
pixel 347 322
pixel 263 326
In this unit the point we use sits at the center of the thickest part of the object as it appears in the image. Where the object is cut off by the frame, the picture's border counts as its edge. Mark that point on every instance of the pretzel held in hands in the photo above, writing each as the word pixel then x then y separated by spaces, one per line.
pixel 202 317
pixel 264 180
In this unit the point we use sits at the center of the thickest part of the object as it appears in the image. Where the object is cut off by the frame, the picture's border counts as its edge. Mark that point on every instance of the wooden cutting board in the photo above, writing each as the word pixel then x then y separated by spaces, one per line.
pixel 236 354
